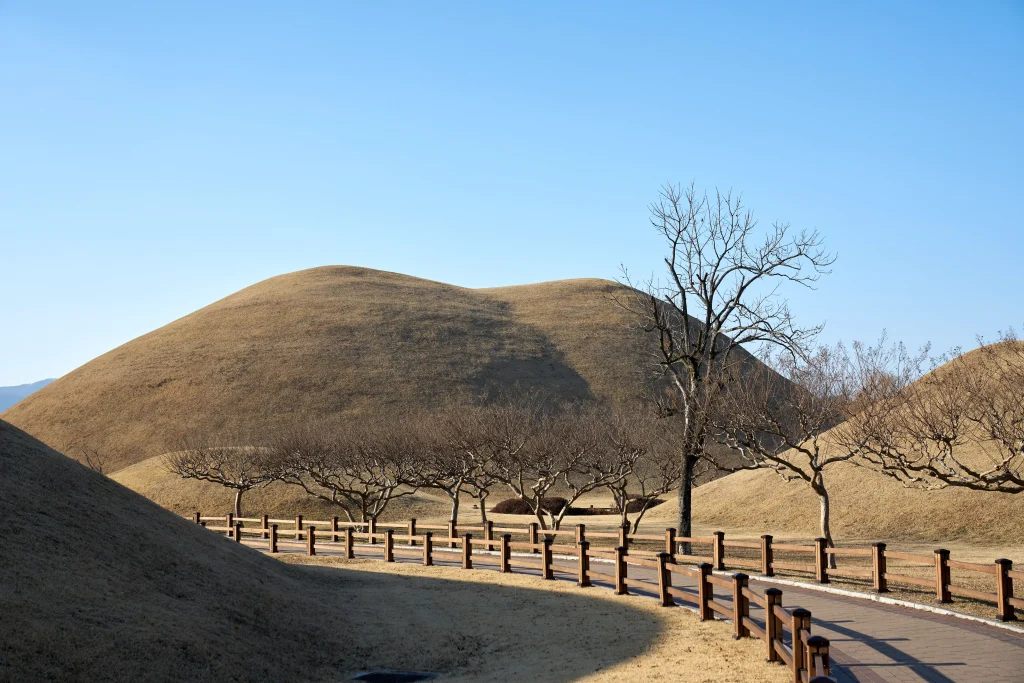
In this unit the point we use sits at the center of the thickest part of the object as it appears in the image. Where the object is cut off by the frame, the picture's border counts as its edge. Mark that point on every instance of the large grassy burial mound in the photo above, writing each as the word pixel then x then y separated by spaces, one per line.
pixel 865 505
pixel 336 340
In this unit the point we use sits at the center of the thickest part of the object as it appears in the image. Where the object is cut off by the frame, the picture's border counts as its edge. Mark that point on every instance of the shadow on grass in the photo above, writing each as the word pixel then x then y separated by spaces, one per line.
pixel 480 629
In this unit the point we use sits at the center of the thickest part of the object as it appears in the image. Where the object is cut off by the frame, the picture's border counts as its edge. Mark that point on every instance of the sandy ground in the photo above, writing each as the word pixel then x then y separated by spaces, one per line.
pixel 510 627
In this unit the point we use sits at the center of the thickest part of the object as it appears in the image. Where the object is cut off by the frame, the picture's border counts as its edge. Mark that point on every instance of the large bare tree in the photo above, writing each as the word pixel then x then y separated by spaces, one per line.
pixel 722 291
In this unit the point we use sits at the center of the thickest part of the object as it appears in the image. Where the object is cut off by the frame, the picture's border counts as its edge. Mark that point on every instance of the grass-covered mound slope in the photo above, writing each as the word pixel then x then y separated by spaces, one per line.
pixel 101 584
pixel 330 341
pixel 865 505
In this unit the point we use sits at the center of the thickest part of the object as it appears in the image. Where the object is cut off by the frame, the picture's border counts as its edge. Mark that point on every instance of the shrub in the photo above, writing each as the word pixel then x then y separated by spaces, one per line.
pixel 515 506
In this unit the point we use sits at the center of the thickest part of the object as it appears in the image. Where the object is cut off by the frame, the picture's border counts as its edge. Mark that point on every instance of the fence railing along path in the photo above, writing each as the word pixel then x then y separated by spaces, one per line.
pixel 870 564
pixel 785 631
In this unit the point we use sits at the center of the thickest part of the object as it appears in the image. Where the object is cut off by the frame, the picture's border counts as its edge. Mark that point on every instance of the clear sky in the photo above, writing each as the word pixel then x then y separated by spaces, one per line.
pixel 155 159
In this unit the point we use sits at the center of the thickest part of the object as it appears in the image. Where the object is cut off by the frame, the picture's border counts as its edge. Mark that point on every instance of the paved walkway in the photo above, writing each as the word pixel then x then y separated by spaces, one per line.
pixel 870 641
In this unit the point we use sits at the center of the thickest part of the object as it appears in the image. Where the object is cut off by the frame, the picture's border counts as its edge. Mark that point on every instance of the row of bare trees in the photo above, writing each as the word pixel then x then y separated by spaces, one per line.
pixel 524 446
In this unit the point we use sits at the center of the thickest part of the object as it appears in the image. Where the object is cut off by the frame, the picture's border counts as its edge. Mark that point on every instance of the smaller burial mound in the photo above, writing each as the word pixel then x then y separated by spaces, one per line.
pixel 515 506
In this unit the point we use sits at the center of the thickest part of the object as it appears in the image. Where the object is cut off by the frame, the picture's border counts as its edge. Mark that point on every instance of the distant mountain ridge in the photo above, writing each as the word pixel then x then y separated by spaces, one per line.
pixel 11 395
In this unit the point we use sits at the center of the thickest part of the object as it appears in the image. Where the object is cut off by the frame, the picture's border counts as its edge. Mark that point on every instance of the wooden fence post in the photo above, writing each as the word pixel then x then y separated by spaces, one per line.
pixel 772 597
pixel 878 567
pixel 451 534
pixel 311 541
pixel 820 560
pixel 428 549
pixel 236 532
pixel 670 544
pixel 195 517
pixel 817 646
pixel 412 532
pixel 230 524
pixel 467 550
pixel 298 527
pixel 545 561
pixel 800 621
pixel 389 545
pixel 506 553
pixel 489 533
pixel 265 525
pixel 740 605
pixel 718 551
pixel 334 529
pixel 1004 590
pixel 620 570
pixel 273 538
pixel 582 577
pixel 372 529
pixel 704 591
pixel 581 533
pixel 624 536
pixel 349 545
pixel 664 580
pixel 766 555
pixel 531 533
pixel 942 575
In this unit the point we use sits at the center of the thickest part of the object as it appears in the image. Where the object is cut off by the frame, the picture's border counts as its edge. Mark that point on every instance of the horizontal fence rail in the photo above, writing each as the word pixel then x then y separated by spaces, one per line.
pixel 870 564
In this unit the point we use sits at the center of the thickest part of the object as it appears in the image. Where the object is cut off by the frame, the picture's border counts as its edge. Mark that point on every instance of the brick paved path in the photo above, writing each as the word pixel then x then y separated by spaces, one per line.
pixel 870 641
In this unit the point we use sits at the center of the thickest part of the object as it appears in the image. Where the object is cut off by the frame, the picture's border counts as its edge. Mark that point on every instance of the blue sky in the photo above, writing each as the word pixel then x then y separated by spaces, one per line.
pixel 155 159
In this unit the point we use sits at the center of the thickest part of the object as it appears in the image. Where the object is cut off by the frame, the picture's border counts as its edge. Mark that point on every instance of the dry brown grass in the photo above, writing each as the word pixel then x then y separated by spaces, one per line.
pixel 679 647
pixel 101 584
pixel 335 341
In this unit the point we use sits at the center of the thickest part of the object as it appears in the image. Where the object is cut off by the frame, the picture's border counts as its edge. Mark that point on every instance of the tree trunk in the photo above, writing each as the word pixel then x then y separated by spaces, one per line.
pixel 238 503
pixel 455 507
pixel 686 501
pixel 483 507
pixel 826 528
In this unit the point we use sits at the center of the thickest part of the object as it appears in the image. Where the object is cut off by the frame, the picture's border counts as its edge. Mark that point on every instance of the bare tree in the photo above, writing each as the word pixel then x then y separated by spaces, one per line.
pixel 237 467
pixel 779 416
pixel 90 456
pixel 722 292
pixel 531 448
pixel 649 466
pixel 960 425
pixel 446 448
pixel 359 468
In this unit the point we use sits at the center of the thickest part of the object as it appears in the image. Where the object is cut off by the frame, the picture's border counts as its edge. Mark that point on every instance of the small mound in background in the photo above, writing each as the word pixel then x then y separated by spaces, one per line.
pixel 515 506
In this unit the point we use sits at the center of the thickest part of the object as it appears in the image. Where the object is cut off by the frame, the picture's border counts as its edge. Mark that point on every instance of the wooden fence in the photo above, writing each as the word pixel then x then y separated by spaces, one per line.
pixel 869 564
pixel 786 632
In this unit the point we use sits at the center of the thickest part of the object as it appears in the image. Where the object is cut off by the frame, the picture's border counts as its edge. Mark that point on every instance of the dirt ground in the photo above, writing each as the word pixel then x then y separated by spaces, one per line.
pixel 487 626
